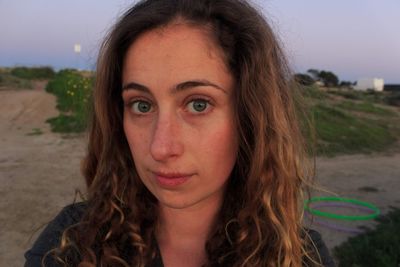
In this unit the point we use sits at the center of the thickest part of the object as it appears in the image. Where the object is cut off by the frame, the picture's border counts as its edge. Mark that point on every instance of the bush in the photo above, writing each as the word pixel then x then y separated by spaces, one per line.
pixel 10 81
pixel 36 73
pixel 378 247
pixel 73 92
pixel 393 99
pixel 304 79
pixel 67 124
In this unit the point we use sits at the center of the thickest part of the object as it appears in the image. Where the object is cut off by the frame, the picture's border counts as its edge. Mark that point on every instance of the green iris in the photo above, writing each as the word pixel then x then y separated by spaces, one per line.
pixel 199 105
pixel 143 106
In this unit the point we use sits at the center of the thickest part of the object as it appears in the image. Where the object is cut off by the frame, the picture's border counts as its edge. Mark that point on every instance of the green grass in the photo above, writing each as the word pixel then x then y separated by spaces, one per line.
pixel 368 95
pixel 349 122
pixel 313 92
pixel 349 94
pixel 339 132
pixel 378 247
pixel 387 98
pixel 366 107
pixel 73 92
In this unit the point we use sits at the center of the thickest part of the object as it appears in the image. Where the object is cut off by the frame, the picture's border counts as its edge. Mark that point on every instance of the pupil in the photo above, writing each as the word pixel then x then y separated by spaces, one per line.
pixel 199 105
pixel 143 107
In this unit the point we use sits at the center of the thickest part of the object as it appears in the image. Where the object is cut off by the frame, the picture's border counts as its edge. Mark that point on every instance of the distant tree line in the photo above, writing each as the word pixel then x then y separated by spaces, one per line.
pixel 33 72
pixel 327 78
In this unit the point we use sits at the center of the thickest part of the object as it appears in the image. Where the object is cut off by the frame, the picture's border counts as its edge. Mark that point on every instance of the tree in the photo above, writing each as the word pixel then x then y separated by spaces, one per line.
pixel 329 78
pixel 314 73
pixel 345 84
pixel 304 79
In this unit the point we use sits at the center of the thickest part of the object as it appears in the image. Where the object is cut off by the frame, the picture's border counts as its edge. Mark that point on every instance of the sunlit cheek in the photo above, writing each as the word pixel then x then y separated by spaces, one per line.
pixel 221 142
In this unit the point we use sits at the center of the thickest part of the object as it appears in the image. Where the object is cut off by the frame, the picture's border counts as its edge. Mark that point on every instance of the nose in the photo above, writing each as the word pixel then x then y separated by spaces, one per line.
pixel 166 141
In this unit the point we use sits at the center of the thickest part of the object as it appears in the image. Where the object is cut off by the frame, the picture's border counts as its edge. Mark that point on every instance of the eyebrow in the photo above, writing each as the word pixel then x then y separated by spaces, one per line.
pixel 179 87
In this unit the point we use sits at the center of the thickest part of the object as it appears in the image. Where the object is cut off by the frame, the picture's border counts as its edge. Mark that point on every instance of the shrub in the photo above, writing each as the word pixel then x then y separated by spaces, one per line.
pixel 73 92
pixel 35 73
pixel 10 81
pixel 378 247
pixel 393 99
pixel 304 79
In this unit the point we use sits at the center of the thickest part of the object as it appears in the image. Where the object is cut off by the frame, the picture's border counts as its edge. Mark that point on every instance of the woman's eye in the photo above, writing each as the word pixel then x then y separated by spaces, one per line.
pixel 141 106
pixel 198 105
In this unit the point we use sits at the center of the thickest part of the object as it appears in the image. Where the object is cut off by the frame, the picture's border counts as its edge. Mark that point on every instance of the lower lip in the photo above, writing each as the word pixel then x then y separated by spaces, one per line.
pixel 171 181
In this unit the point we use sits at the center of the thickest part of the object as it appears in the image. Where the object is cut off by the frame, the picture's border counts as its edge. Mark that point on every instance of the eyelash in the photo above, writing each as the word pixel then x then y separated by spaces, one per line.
pixel 188 102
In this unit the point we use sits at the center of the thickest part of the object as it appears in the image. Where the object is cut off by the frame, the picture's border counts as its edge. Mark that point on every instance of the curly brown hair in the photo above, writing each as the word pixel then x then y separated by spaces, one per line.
pixel 260 220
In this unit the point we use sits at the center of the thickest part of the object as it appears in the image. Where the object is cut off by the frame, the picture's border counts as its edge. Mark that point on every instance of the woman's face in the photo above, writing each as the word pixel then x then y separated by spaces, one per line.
pixel 179 115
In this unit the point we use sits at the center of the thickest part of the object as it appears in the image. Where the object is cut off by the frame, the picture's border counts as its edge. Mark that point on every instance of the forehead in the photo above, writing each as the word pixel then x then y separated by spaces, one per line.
pixel 178 51
pixel 176 36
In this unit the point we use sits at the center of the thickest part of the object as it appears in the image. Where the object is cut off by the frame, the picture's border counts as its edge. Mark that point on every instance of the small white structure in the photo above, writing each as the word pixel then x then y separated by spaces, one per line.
pixel 374 84
pixel 77 48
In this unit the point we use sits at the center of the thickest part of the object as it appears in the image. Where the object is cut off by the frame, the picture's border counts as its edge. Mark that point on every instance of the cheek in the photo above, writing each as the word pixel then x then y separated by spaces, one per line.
pixel 221 147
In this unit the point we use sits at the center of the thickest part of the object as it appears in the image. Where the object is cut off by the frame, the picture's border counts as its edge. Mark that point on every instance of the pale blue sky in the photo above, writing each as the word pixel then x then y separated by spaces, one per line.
pixel 352 38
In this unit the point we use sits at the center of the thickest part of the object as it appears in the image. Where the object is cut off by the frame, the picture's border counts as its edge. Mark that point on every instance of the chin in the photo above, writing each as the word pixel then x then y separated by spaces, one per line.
pixel 177 202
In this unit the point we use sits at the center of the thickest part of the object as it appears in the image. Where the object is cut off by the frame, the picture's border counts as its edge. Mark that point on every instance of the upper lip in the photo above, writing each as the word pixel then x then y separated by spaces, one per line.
pixel 171 175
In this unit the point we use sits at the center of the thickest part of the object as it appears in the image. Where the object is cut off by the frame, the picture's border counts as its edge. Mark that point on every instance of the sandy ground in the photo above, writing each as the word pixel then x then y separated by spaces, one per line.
pixel 40 173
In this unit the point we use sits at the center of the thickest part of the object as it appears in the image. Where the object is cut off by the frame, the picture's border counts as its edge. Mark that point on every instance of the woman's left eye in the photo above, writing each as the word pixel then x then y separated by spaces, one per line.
pixel 198 105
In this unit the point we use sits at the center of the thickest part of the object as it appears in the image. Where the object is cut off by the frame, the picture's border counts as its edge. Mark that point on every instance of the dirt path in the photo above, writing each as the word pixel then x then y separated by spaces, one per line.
pixel 370 178
pixel 39 172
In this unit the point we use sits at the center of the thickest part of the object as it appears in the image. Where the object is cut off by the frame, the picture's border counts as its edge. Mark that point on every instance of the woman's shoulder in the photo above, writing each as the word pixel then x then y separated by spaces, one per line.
pixel 51 236
pixel 317 243
pixel 70 214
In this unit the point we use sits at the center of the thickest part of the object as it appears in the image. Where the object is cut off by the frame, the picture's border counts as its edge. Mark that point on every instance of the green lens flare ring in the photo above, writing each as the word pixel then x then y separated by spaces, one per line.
pixel 374 210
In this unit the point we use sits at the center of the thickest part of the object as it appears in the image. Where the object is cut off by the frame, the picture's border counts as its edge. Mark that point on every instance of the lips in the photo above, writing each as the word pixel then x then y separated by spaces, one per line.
pixel 166 179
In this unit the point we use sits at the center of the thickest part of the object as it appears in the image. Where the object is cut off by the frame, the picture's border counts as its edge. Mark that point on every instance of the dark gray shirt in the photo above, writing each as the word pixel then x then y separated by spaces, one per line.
pixel 72 214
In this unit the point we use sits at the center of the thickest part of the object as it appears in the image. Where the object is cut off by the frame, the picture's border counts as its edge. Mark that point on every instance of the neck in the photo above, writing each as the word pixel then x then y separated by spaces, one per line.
pixel 188 225
pixel 182 234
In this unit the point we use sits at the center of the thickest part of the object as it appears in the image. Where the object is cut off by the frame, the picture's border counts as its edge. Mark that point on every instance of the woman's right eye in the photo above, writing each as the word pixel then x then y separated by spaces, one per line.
pixel 141 107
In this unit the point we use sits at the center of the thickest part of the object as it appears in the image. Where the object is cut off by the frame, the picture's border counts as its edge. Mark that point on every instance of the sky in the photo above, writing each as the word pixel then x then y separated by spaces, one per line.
pixel 352 38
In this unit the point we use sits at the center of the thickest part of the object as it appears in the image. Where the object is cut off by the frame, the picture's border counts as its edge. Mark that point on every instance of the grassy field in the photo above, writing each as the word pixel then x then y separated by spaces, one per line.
pixel 362 123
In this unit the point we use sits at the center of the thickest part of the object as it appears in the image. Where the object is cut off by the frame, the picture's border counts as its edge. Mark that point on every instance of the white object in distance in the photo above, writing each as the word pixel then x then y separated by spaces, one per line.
pixel 77 48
